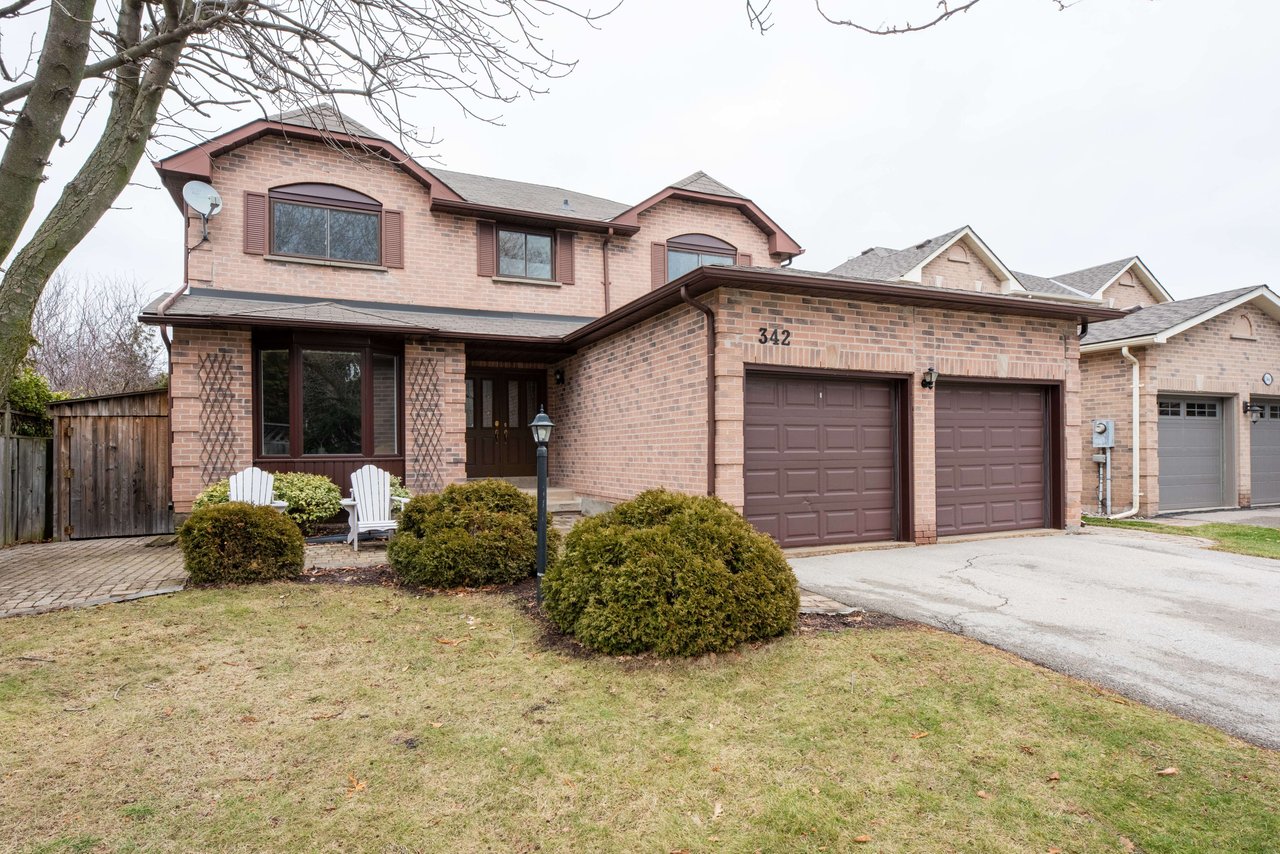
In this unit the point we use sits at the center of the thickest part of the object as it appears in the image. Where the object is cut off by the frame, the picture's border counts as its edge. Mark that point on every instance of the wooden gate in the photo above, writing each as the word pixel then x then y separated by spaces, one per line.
pixel 111 466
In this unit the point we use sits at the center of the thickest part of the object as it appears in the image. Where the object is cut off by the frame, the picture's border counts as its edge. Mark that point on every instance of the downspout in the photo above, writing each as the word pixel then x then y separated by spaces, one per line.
pixel 711 386
pixel 604 251
pixel 1137 466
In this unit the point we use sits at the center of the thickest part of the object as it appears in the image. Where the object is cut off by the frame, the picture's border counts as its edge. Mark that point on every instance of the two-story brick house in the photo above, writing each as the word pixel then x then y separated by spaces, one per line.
pixel 351 305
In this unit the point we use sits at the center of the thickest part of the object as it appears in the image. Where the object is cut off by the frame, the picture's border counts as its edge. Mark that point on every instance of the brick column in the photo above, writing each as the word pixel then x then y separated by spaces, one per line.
pixel 924 479
pixel 435 428
pixel 211 408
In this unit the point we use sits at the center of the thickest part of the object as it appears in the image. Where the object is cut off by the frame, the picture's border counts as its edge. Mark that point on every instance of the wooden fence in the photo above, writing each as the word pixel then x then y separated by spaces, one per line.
pixel 25 496
pixel 112 465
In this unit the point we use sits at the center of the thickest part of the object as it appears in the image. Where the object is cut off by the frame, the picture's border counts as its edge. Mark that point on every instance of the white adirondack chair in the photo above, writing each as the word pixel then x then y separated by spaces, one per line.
pixel 255 486
pixel 369 507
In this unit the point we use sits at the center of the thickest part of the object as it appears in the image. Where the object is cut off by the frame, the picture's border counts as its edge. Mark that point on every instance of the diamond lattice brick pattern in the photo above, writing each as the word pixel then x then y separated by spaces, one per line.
pixel 426 427
pixel 217 416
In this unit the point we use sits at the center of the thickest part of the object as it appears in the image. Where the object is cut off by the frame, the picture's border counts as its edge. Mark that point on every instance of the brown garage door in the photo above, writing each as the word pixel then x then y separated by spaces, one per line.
pixel 990 458
pixel 820 459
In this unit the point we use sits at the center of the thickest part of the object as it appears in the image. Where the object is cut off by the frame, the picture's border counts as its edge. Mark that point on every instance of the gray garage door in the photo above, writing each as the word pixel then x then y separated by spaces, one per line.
pixel 990 455
pixel 1191 453
pixel 1264 455
pixel 820 459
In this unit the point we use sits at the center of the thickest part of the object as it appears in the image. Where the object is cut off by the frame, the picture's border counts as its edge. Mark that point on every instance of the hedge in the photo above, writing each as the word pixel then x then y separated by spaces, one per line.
pixel 235 543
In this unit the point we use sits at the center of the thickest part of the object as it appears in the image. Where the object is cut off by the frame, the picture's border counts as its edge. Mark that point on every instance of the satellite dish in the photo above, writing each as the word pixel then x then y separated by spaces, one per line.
pixel 204 200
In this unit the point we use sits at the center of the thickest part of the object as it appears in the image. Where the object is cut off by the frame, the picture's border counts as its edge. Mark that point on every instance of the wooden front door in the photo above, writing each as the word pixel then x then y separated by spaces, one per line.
pixel 500 405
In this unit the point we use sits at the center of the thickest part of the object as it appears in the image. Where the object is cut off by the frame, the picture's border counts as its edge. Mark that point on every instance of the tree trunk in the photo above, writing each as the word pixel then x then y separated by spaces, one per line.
pixel 39 124
pixel 105 174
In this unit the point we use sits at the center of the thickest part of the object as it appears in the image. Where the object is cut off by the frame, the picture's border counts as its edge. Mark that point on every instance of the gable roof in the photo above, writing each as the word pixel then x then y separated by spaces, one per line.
pixel 1094 280
pixel 701 182
pixel 1155 324
pixel 535 198
pixel 1041 285
pixel 908 264
pixel 323 117
pixel 464 193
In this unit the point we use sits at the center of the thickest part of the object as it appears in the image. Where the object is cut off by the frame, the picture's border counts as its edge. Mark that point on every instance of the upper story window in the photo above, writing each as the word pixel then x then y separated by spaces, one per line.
pixel 524 254
pixel 958 253
pixel 327 222
pixel 691 251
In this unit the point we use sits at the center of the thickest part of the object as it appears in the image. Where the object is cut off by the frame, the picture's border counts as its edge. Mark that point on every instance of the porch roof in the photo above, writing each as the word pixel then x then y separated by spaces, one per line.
pixel 213 307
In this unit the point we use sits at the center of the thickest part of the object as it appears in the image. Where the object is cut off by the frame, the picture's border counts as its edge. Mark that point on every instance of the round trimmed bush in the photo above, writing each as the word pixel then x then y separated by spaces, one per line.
pixel 237 543
pixel 672 574
pixel 469 535
pixel 312 498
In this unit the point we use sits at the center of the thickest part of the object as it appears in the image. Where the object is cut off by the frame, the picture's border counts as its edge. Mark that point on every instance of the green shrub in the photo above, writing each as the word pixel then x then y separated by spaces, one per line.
pixel 672 574
pixel 29 397
pixel 312 498
pixel 236 543
pixel 483 532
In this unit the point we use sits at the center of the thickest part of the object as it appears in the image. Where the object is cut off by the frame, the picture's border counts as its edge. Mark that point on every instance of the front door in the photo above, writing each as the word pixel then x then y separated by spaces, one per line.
pixel 500 405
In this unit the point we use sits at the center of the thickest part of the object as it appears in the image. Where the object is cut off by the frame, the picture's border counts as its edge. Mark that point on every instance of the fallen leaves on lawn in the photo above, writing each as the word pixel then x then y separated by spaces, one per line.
pixel 437 724
pixel 717 811
pixel 1127 844
pixel 248 719
pixel 862 840
pixel 327 716
pixel 984 794
pixel 355 785
pixel 1027 749
pixel 1054 777
pixel 1171 771
pixel 917 735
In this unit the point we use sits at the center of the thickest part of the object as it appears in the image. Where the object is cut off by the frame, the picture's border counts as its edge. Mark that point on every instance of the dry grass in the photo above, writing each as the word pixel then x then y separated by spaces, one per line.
pixel 325 718
pixel 1254 540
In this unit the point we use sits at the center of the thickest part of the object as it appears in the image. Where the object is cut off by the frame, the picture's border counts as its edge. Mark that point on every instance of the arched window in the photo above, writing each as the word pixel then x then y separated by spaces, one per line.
pixel 1127 278
pixel 691 251
pixel 958 253
pixel 325 221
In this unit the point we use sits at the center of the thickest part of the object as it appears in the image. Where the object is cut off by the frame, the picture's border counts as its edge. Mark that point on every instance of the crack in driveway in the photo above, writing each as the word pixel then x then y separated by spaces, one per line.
pixel 952 623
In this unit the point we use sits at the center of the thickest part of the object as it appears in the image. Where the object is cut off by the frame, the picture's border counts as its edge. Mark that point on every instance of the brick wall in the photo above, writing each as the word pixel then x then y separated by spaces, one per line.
pixel 440 249
pixel 632 412
pixel 960 268
pixel 1205 360
pixel 211 394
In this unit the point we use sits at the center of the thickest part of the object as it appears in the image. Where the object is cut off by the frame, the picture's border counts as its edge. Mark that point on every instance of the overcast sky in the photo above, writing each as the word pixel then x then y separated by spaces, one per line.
pixel 1066 139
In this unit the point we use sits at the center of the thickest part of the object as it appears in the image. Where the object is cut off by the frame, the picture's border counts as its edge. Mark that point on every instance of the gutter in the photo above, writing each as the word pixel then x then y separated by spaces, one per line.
pixel 1137 466
pixel 475 209
pixel 711 385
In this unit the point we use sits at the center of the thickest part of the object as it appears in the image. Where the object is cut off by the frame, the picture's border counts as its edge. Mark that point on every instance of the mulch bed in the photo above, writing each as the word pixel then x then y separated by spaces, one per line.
pixel 351 576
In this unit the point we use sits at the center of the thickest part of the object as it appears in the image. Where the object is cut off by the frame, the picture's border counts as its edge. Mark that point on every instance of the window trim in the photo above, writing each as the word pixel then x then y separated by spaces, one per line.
pixel 337 198
pixel 294 344
pixel 498 229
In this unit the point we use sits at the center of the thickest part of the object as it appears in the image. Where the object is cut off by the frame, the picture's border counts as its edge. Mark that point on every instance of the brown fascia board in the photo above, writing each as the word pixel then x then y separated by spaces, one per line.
pixel 514 216
pixel 701 281
pixel 197 162
pixel 780 243
pixel 706 279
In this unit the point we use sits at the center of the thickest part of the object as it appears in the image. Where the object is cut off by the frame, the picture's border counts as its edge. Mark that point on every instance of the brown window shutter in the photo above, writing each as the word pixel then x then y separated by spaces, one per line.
pixel 564 257
pixel 658 264
pixel 486 249
pixel 255 223
pixel 392 239
pixel 744 260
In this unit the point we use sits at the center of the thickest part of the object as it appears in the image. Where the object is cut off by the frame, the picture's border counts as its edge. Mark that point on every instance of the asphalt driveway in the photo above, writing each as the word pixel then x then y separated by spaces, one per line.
pixel 1155 617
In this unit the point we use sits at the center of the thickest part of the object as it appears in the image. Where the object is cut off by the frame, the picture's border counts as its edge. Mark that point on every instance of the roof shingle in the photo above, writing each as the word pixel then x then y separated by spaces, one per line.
pixel 1155 319
pixel 888 265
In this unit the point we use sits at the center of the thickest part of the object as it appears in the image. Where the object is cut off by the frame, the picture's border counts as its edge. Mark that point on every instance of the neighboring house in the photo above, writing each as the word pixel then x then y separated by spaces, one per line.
pixel 1191 367
pixel 352 305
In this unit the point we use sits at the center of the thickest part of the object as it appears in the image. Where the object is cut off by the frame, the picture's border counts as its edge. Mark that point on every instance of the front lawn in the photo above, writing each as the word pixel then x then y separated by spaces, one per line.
pixel 1238 539
pixel 304 718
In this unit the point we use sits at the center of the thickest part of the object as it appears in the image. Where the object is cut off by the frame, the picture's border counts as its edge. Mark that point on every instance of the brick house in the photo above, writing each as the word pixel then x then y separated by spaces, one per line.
pixel 1198 377
pixel 350 305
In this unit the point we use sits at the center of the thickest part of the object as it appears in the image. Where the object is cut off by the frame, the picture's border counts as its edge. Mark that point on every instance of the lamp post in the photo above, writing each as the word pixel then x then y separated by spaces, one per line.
pixel 541 426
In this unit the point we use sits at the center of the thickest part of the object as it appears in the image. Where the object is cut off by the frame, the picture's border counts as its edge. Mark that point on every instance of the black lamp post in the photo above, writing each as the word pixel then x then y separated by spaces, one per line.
pixel 541 427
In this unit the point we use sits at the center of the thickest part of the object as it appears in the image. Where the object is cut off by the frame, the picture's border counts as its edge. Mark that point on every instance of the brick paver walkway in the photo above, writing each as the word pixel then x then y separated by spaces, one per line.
pixel 47 576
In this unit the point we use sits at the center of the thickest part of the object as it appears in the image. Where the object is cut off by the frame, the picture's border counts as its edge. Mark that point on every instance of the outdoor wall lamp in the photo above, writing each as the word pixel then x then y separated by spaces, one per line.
pixel 541 426
pixel 929 378
pixel 1254 410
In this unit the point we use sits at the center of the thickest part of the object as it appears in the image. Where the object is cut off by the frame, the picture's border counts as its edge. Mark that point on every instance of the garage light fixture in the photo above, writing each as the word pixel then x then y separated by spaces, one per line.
pixel 1254 410
pixel 929 378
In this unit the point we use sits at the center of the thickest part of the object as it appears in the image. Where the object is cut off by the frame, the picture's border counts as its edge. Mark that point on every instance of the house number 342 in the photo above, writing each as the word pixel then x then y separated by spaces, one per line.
pixel 775 335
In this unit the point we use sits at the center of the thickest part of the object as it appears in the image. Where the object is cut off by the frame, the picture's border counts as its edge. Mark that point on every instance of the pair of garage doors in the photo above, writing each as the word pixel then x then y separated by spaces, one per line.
pixel 1194 458
pixel 825 458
